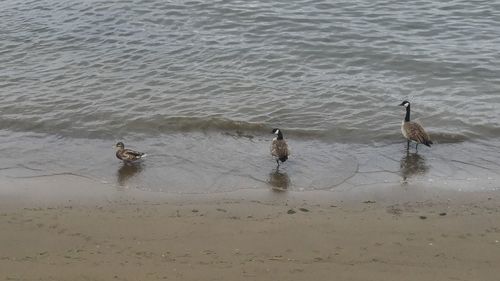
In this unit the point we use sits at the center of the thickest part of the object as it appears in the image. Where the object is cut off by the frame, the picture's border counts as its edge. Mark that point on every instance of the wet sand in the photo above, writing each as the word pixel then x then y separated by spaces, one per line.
pixel 68 228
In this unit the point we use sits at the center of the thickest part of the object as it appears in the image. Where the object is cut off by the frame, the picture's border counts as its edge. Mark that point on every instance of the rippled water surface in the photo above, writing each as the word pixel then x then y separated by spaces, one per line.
pixel 199 85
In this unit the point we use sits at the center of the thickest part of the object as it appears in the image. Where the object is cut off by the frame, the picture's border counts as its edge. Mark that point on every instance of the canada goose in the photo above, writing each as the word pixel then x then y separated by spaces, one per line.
pixel 279 148
pixel 413 131
pixel 127 155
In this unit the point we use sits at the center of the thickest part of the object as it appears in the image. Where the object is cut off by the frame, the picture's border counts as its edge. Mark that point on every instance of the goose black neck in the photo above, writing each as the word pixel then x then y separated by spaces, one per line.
pixel 407 117
pixel 280 135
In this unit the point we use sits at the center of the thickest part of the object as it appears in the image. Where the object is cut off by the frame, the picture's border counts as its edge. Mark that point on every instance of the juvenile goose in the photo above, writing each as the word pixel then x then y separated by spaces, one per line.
pixel 127 155
pixel 279 148
pixel 413 131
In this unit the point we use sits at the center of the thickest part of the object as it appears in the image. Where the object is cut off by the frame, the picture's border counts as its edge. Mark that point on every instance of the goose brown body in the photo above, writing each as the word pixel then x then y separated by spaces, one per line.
pixel 415 132
pixel 279 149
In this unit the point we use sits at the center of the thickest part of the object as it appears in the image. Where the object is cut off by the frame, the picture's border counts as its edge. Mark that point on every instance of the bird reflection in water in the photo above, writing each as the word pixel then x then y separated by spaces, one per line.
pixel 127 171
pixel 412 164
pixel 279 180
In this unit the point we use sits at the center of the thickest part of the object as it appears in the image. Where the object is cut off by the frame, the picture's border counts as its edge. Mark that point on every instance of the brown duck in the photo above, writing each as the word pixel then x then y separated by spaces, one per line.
pixel 413 131
pixel 279 148
pixel 127 155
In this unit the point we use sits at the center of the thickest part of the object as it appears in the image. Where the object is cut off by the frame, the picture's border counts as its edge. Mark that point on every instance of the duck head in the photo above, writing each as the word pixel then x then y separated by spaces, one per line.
pixel 119 146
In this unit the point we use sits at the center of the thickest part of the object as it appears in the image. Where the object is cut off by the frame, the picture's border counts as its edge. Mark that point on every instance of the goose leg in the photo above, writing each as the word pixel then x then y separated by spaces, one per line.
pixel 416 148
pixel 278 162
pixel 408 145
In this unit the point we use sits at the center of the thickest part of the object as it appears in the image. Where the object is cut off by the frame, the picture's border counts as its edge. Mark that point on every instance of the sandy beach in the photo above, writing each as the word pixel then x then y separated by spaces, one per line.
pixel 78 230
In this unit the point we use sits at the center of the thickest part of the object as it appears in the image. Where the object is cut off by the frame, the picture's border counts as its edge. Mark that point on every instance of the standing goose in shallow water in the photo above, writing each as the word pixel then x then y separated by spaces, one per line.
pixel 127 155
pixel 413 131
pixel 279 148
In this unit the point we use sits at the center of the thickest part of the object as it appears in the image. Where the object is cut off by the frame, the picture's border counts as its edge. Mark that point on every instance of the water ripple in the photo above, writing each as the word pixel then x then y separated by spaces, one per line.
pixel 98 67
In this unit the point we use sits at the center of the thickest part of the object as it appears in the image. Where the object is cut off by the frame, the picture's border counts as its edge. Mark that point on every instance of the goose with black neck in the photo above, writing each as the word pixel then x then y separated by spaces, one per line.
pixel 412 131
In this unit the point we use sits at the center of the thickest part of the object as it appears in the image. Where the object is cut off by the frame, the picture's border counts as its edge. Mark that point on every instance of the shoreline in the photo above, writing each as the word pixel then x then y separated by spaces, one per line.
pixel 56 189
pixel 125 234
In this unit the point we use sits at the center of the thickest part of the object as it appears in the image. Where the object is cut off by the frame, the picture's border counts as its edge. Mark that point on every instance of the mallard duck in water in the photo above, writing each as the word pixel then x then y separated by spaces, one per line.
pixel 279 148
pixel 127 155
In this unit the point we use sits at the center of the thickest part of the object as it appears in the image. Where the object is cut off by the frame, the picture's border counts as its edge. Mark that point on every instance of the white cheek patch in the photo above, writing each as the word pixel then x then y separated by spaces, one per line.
pixel 277 132
pixel 406 104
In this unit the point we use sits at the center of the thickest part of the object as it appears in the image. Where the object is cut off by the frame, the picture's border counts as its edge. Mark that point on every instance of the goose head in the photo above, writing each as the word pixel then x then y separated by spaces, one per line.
pixel 405 104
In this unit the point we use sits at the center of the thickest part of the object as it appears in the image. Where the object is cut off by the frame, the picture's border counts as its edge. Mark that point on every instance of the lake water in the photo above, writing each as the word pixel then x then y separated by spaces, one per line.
pixel 199 85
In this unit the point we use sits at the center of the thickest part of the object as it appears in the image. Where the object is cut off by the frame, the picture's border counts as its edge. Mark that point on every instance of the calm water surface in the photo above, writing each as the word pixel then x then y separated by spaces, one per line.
pixel 199 85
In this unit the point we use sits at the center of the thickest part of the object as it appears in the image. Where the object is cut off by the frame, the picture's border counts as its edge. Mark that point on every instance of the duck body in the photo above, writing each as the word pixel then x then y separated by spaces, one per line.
pixel 127 155
pixel 413 131
pixel 279 147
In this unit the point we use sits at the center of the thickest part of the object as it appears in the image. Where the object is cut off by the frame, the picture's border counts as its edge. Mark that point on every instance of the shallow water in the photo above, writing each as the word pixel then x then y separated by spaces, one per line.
pixel 199 86
pixel 213 162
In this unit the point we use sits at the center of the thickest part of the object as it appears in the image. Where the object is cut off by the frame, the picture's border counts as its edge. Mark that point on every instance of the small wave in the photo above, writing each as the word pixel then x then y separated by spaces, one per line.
pixel 158 125
pixel 187 124
pixel 449 138
pixel 165 125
